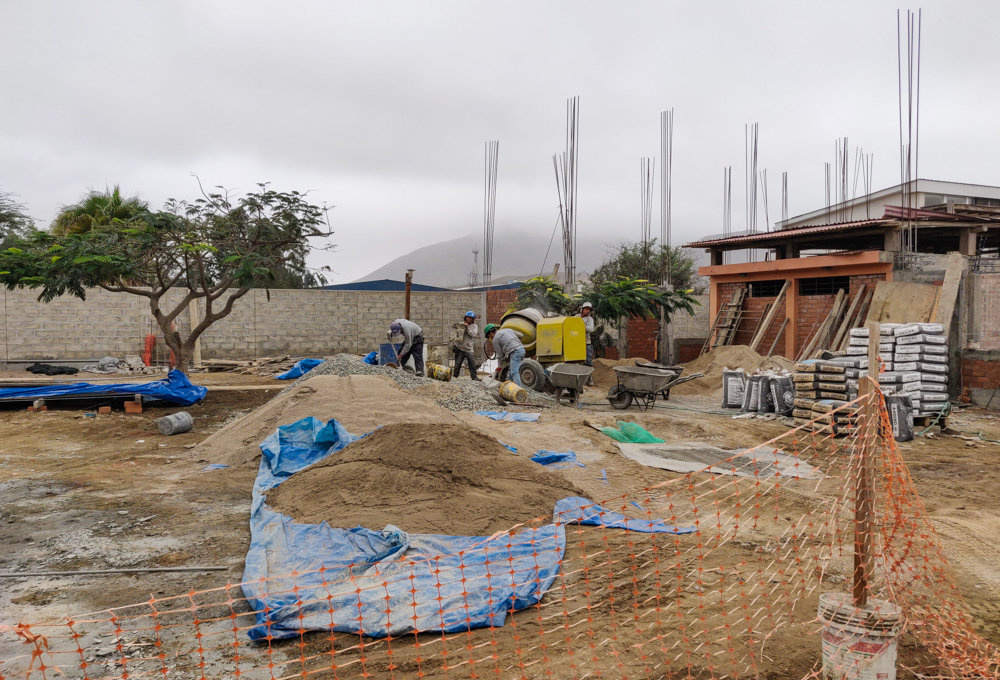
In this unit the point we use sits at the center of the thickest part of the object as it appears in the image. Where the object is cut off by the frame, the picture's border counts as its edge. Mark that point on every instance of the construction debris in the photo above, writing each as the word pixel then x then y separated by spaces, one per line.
pixel 262 366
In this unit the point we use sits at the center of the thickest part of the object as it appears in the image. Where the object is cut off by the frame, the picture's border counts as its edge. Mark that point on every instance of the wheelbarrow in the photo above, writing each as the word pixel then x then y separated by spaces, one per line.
pixel 569 377
pixel 643 385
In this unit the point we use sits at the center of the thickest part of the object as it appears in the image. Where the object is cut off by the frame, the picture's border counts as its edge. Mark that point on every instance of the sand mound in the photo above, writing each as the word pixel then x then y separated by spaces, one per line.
pixel 714 362
pixel 360 402
pixel 604 373
pixel 423 478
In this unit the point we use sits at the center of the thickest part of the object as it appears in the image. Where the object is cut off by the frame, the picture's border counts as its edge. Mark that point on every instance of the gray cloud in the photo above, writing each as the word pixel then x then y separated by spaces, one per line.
pixel 383 108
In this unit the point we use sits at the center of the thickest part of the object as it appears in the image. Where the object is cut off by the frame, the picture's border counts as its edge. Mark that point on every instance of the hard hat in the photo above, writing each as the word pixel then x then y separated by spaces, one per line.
pixel 490 327
pixel 587 305
pixel 395 327
pixel 470 313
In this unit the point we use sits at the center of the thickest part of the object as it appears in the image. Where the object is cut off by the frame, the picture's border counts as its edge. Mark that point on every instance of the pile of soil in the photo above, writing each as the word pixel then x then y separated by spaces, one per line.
pixel 604 373
pixel 712 364
pixel 425 479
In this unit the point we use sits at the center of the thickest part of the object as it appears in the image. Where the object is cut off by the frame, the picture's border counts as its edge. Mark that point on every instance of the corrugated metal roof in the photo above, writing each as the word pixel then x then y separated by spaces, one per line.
pixel 385 285
pixel 786 233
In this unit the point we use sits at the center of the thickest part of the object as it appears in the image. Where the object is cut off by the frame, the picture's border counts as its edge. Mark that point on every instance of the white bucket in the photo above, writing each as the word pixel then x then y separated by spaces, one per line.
pixel 858 644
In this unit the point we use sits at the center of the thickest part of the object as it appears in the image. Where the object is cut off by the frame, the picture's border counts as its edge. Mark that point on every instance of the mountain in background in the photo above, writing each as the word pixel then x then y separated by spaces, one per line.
pixel 519 256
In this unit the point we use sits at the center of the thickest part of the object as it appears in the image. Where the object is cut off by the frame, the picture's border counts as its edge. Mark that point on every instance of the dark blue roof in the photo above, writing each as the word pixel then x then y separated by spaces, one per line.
pixel 386 285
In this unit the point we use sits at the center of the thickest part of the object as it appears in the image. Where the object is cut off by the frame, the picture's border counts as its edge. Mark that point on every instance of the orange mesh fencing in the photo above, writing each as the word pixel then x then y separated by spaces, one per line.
pixel 736 598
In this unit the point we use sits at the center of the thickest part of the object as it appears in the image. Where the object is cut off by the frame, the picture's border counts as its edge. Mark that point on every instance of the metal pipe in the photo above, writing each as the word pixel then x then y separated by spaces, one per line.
pixel 135 570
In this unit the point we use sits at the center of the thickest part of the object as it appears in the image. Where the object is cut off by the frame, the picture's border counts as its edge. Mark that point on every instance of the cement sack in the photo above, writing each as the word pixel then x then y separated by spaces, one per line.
pixel 853 350
pixel 934 377
pixel 932 387
pixel 904 365
pixel 886 347
pixel 915 328
pixel 927 398
pixel 901 416
pixel 833 387
pixel 887 365
pixel 888 329
pixel 804 414
pixel 933 358
pixel 858 332
pixel 819 366
pixel 853 362
pixel 932 349
pixel 750 389
pixel 894 377
pixel 885 356
pixel 765 402
pixel 831 377
pixel 922 339
pixel 827 405
pixel 782 394
pixel 927 367
pixel 733 387
pixel 806 394
pixel 858 342
pixel 803 403
pixel 833 395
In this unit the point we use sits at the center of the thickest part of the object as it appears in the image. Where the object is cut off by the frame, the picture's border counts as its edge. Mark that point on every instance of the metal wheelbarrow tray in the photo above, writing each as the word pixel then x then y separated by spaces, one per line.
pixel 642 385
pixel 569 377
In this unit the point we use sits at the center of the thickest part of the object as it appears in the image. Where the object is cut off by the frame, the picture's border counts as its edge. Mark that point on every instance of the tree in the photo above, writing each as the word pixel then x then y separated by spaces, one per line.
pixel 617 301
pixel 14 222
pixel 215 249
pixel 633 261
pixel 544 294
pixel 99 208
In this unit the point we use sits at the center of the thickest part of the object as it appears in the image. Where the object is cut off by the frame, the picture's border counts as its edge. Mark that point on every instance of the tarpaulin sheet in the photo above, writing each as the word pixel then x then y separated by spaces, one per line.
pixel 507 415
pixel 544 457
pixel 301 367
pixel 316 577
pixel 174 388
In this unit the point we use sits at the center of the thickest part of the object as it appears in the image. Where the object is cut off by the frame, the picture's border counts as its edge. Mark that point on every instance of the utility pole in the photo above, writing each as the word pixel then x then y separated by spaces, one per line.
pixel 409 282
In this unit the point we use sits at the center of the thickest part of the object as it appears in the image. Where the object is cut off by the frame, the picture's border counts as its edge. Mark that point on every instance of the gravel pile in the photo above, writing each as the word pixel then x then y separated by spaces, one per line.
pixel 458 395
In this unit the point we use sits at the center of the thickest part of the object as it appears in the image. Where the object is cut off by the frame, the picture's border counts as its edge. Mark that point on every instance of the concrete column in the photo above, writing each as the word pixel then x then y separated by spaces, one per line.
pixel 967 242
pixel 892 244
pixel 791 313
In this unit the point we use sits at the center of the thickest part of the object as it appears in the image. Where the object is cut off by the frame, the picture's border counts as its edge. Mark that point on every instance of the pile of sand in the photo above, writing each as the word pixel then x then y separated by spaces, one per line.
pixel 712 363
pixel 360 402
pixel 423 478
pixel 604 374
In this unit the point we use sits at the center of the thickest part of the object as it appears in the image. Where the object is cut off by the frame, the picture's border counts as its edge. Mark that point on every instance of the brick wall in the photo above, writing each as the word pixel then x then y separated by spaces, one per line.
pixel 642 338
pixel 980 374
pixel 300 322
pixel 497 302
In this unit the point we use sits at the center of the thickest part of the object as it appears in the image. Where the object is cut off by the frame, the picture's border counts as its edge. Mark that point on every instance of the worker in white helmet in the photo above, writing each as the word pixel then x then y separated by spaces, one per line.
pixel 587 314
pixel 465 349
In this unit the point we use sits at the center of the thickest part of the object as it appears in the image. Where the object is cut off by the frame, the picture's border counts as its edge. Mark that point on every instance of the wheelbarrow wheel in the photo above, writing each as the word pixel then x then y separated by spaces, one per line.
pixel 619 397
pixel 532 375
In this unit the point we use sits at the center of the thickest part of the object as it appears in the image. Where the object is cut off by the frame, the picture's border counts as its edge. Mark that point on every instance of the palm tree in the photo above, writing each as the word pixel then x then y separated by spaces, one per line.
pixel 98 208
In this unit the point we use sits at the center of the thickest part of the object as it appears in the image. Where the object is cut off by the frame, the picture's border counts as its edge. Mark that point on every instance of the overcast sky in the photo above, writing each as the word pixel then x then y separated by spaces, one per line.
pixel 382 109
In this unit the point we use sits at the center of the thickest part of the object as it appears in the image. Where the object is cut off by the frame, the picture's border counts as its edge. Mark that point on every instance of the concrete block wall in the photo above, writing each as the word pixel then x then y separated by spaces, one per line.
pixel 299 322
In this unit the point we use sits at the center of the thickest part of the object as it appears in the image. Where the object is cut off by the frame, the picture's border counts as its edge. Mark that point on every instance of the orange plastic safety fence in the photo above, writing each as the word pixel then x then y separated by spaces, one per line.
pixel 775 537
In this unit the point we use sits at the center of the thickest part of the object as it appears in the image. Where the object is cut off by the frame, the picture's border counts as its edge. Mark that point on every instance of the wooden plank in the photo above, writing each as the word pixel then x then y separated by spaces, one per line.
pixel 823 328
pixel 864 519
pixel 765 324
pixel 878 300
pixel 944 309
pixel 904 303
pixel 777 337
pixel 757 331
pixel 856 322
pixel 848 318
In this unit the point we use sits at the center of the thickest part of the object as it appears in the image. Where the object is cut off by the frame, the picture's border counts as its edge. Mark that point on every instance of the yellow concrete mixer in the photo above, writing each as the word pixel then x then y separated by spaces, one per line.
pixel 548 340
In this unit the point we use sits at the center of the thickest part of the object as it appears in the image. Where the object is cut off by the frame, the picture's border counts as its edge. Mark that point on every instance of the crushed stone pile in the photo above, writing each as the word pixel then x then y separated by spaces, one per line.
pixel 712 364
pixel 423 478
pixel 460 394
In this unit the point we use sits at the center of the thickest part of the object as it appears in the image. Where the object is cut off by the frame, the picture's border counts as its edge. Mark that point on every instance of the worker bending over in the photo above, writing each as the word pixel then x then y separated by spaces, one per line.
pixel 465 349
pixel 508 348
pixel 413 343
pixel 587 314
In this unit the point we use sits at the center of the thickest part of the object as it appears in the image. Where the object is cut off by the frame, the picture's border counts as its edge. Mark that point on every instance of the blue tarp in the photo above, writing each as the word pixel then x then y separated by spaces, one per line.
pixel 507 415
pixel 389 582
pixel 175 388
pixel 371 358
pixel 576 510
pixel 301 367
pixel 544 457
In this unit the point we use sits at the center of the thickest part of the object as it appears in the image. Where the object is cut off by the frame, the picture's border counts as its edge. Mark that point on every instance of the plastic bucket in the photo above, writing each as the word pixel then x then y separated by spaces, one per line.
pixel 511 392
pixel 858 644
pixel 175 423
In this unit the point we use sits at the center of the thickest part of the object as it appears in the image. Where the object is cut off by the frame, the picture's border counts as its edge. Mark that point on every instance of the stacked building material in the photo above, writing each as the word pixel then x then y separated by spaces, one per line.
pixel 823 392
pixel 921 350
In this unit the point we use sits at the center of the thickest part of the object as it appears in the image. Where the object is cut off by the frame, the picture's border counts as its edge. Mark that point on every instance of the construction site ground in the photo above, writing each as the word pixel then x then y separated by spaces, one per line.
pixel 109 492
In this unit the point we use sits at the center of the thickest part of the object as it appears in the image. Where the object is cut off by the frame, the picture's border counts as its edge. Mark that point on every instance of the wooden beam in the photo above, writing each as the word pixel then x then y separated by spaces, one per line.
pixel 864 517
pixel 944 307
pixel 845 326
pixel 765 323
pixel 777 337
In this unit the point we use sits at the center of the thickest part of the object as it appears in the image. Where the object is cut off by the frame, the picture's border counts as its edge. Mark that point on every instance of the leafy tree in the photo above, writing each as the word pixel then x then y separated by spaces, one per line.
pixel 546 294
pixel 634 261
pixel 215 249
pixel 616 301
pixel 14 222
pixel 99 208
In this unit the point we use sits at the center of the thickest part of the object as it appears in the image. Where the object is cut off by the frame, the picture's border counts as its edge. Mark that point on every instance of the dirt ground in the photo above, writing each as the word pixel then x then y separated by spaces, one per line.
pixel 107 491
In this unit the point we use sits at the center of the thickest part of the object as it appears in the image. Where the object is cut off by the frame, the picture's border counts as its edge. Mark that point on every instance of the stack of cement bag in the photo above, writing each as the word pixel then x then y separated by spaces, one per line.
pixel 766 392
pixel 915 358
pixel 823 390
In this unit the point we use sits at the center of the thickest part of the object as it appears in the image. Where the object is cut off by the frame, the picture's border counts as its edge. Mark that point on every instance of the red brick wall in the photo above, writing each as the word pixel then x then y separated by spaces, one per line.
pixel 977 373
pixel 642 338
pixel 497 302
pixel 689 351
pixel 811 311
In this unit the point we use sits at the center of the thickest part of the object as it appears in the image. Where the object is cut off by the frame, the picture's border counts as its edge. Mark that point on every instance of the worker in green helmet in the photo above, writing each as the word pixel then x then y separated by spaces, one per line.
pixel 465 349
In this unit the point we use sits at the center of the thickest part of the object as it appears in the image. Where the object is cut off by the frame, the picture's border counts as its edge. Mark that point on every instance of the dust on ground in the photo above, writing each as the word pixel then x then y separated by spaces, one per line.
pixel 427 479
pixel 102 492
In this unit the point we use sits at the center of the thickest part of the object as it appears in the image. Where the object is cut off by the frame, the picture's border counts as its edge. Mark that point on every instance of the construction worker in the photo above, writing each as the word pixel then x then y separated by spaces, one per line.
pixel 465 350
pixel 413 343
pixel 508 348
pixel 587 314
